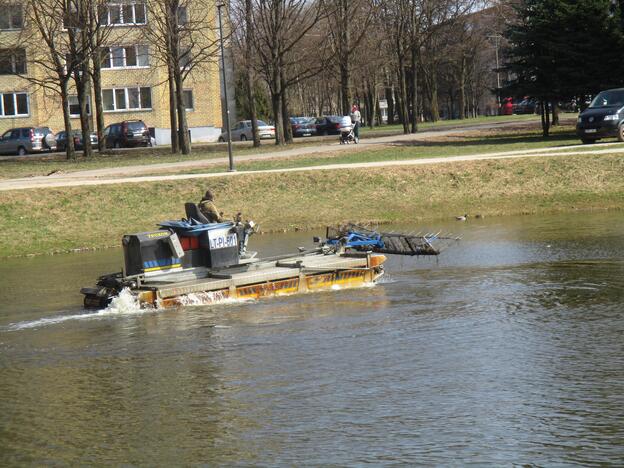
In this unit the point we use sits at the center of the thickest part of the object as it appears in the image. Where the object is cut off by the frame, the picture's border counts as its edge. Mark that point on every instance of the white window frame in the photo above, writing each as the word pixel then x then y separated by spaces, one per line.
pixel 122 20
pixel 11 13
pixel 125 66
pixel 126 98
pixel 13 116
pixel 69 105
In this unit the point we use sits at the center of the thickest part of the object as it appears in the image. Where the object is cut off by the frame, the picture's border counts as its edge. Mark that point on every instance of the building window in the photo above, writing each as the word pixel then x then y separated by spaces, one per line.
pixel 187 97
pixel 135 56
pixel 12 61
pixel 74 106
pixel 120 99
pixel 14 105
pixel 120 14
pixel 11 17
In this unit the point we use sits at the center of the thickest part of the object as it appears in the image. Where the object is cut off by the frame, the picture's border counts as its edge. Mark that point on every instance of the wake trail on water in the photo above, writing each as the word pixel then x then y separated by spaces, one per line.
pixel 123 305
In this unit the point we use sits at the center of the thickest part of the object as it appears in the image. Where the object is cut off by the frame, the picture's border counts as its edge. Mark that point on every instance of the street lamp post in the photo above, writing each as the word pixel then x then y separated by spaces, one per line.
pixel 225 94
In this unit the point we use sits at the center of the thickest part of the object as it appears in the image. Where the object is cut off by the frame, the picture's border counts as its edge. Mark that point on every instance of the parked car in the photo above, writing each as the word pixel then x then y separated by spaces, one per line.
pixel 603 118
pixel 127 134
pixel 303 126
pixel 526 106
pixel 61 140
pixel 242 131
pixel 26 140
pixel 328 125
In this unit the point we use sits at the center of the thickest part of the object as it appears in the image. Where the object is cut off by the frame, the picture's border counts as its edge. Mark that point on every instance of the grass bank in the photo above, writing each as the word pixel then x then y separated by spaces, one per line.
pixel 58 220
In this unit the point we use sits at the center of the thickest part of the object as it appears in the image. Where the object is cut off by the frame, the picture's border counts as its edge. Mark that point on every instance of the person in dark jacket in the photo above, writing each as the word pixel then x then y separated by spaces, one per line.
pixel 209 209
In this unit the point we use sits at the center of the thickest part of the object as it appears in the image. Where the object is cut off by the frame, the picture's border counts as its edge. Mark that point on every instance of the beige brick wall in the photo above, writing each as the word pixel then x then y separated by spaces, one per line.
pixel 45 105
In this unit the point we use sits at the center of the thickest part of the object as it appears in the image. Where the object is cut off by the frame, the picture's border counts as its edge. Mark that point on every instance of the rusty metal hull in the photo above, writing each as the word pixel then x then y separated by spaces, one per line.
pixel 294 275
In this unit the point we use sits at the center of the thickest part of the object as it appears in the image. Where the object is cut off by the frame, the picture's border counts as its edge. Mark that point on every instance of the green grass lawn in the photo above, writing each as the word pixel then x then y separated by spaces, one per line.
pixel 458 123
pixel 30 167
pixel 457 145
pixel 33 167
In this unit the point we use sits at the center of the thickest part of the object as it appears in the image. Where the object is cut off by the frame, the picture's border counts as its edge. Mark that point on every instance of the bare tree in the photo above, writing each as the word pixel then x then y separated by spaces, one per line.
pixel 348 23
pixel 97 30
pixel 280 27
pixel 61 55
pixel 183 36
pixel 243 38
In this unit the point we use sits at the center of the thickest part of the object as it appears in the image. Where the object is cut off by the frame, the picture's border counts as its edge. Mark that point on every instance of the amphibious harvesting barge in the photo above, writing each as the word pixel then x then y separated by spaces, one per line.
pixel 194 262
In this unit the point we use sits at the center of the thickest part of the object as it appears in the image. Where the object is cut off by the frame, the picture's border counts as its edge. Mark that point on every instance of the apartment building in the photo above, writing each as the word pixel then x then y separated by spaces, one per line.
pixel 134 81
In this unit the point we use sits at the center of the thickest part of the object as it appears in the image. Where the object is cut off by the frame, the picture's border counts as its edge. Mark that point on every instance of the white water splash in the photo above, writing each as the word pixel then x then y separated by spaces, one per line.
pixel 385 279
pixel 208 298
pixel 125 303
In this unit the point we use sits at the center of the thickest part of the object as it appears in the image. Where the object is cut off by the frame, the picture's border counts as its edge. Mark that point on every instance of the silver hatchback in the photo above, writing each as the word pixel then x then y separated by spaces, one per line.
pixel 22 141
pixel 242 131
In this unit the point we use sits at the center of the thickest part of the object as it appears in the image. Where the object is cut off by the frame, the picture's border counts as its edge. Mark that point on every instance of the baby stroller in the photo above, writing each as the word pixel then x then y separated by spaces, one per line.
pixel 346 131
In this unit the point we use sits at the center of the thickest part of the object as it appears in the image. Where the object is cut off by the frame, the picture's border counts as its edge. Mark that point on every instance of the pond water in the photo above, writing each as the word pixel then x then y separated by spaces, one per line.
pixel 507 349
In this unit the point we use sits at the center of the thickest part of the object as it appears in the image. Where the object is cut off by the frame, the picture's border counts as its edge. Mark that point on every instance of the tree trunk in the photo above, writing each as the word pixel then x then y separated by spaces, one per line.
pixel 70 151
pixel 344 56
pixel 414 93
pixel 249 78
pixel 276 105
pixel 253 115
pixel 545 117
pixel 555 113
pixel 378 111
pixel 288 136
pixel 404 113
pixel 345 107
pixel 84 99
pixel 97 98
pixel 185 143
pixel 370 104
pixel 462 89
pixel 173 109
pixel 81 78
pixel 433 97
pixel 390 98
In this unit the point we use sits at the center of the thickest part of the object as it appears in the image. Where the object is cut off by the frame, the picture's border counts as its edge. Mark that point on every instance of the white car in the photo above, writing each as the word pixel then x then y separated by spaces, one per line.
pixel 242 131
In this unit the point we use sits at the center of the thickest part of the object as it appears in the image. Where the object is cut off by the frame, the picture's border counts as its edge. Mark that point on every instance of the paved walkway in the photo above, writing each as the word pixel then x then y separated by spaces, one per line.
pixel 132 174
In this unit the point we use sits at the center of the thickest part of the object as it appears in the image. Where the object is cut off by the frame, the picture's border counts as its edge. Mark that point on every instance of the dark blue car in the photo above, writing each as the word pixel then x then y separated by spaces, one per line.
pixel 603 118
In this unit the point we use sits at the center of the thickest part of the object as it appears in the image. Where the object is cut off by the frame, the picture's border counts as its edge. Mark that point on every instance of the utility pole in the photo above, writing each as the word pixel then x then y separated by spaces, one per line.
pixel 225 94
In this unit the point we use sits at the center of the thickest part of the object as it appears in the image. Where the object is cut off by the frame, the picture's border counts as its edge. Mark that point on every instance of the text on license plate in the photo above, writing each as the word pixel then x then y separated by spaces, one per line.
pixel 223 242
pixel 222 239
pixel 590 130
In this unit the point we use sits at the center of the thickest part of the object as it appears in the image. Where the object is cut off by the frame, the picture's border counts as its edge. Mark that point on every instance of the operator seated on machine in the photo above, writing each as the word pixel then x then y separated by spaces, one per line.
pixel 208 208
